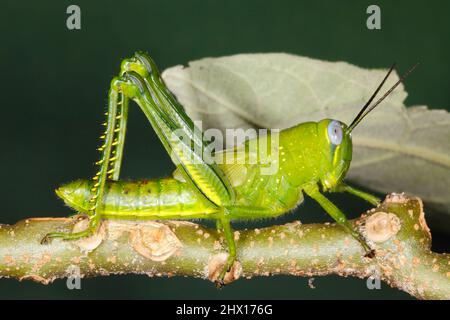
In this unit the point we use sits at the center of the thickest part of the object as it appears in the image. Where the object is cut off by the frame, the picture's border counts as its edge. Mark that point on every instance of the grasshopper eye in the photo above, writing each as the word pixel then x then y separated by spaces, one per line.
pixel 335 132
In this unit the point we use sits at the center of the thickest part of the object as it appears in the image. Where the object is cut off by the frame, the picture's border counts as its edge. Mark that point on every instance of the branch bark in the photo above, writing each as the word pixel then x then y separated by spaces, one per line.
pixel 396 229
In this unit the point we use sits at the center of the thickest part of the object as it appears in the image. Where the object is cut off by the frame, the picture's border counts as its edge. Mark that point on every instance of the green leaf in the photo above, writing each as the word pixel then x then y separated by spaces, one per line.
pixel 396 149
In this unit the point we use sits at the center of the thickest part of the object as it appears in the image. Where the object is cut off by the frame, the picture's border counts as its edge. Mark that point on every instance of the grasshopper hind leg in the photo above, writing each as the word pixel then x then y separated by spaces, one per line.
pixel 94 222
pixel 109 163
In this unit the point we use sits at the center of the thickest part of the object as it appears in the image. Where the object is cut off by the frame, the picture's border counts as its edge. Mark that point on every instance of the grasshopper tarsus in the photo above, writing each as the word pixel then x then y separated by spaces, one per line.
pixel 371 254
pixel 219 284
pixel 46 240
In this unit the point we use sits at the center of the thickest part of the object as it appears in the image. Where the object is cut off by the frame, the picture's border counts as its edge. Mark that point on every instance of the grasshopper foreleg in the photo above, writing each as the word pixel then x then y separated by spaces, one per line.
pixel 338 216
pixel 359 193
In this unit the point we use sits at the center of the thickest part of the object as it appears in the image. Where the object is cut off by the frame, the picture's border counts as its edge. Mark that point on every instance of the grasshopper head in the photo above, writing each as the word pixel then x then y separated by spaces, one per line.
pixel 76 194
pixel 338 145
pixel 337 149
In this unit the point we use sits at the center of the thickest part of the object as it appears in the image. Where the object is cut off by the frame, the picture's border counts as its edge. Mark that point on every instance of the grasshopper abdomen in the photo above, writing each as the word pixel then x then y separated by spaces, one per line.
pixel 163 198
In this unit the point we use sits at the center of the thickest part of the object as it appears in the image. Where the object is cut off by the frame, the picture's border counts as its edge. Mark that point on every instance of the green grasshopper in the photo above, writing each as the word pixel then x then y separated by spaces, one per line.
pixel 313 158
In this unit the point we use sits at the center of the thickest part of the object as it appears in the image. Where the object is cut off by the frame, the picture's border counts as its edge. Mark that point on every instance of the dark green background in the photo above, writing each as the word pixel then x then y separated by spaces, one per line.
pixel 54 84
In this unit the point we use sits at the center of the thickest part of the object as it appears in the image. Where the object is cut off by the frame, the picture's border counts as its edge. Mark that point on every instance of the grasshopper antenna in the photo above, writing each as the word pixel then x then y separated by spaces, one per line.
pixel 366 109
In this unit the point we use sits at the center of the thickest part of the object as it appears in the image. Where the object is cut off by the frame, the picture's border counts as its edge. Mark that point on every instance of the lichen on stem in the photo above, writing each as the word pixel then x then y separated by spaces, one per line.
pixel 396 229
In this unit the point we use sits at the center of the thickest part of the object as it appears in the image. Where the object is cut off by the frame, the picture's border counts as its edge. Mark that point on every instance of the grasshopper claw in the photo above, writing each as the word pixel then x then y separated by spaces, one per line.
pixel 46 239
pixel 371 254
